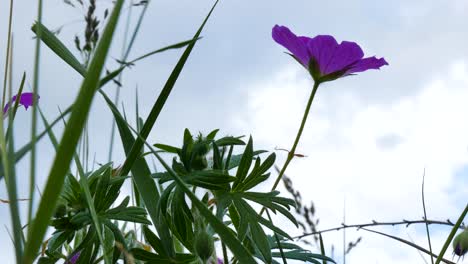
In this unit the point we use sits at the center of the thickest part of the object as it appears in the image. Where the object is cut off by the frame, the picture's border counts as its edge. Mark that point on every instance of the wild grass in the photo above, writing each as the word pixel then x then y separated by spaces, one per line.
pixel 204 197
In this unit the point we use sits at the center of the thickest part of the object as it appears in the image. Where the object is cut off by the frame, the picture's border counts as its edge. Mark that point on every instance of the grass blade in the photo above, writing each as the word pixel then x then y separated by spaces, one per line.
pixel 35 89
pixel 69 140
pixel 7 152
pixel 141 176
pixel 409 244
pixel 425 217
pixel 83 181
pixel 58 47
pixel 158 105
pixel 322 248
pixel 452 234
pixel 26 148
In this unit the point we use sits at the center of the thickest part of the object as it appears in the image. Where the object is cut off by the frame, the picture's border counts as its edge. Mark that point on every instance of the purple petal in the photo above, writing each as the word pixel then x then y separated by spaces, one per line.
pixel 296 45
pixel 367 64
pixel 26 99
pixel 322 48
pixel 345 54
pixel 220 261
pixel 74 258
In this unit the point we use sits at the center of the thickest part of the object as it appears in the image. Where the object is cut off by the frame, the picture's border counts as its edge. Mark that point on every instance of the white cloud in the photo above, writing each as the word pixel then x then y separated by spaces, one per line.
pixel 371 154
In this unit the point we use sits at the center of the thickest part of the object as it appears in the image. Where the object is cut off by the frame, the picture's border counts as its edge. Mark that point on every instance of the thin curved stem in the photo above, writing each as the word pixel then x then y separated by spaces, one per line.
pixel 375 223
pixel 298 136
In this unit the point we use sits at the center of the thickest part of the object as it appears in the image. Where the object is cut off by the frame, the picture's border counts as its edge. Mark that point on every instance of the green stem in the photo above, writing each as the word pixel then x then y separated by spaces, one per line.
pixel 452 234
pixel 298 136
pixel 35 90
pixel 225 255
pixel 7 59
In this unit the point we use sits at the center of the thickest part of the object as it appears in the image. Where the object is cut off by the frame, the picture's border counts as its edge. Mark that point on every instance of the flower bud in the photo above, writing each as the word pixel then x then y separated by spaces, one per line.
pixel 203 245
pixel 60 210
pixel 199 162
pixel 460 243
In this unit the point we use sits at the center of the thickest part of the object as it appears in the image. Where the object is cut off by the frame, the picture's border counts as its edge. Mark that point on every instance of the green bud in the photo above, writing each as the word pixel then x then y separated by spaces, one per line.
pixel 199 162
pixel 460 243
pixel 60 210
pixel 204 245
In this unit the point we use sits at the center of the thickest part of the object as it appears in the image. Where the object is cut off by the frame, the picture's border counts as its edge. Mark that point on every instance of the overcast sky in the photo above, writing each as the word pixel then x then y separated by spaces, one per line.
pixel 368 139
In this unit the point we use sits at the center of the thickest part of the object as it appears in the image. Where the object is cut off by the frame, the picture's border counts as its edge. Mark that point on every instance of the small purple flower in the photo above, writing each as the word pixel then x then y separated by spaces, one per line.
pixel 26 99
pixel 74 258
pixel 220 261
pixel 325 59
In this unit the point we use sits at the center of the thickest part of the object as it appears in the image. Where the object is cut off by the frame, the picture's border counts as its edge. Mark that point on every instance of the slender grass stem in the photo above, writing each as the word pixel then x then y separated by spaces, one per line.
pixel 225 255
pixel 32 166
pixel 425 217
pixel 7 59
pixel 117 92
pixel 277 241
pixel 452 234
pixel 124 58
pixel 7 150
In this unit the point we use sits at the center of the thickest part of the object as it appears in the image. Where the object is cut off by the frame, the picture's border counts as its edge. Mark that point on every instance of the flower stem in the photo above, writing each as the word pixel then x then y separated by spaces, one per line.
pixel 298 136
pixel 452 234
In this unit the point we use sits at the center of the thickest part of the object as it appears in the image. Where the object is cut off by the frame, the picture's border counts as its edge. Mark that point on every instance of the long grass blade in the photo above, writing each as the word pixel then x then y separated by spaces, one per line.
pixel 409 244
pixel 7 57
pixel 58 47
pixel 70 139
pixel 83 180
pixel 7 152
pixel 452 234
pixel 65 54
pixel 425 218
pixel 158 105
pixel 117 86
pixel 322 248
pixel 35 88
pixel 27 147
pixel 141 176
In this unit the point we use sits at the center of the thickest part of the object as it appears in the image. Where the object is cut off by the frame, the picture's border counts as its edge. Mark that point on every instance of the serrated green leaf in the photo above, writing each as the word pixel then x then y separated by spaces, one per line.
pixel 261 241
pixel 235 159
pixel 217 159
pixel 212 134
pixel 229 141
pixel 244 165
pixel 153 240
pixel 58 239
pixel 144 255
pixel 116 232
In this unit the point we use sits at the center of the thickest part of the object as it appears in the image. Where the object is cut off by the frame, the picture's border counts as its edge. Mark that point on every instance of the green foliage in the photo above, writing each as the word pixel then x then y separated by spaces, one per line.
pixel 230 193
pixel 72 219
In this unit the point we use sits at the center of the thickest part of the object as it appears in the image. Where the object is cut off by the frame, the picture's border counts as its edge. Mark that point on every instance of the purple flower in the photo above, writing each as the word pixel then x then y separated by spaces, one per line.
pixel 220 261
pixel 26 99
pixel 74 258
pixel 325 59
